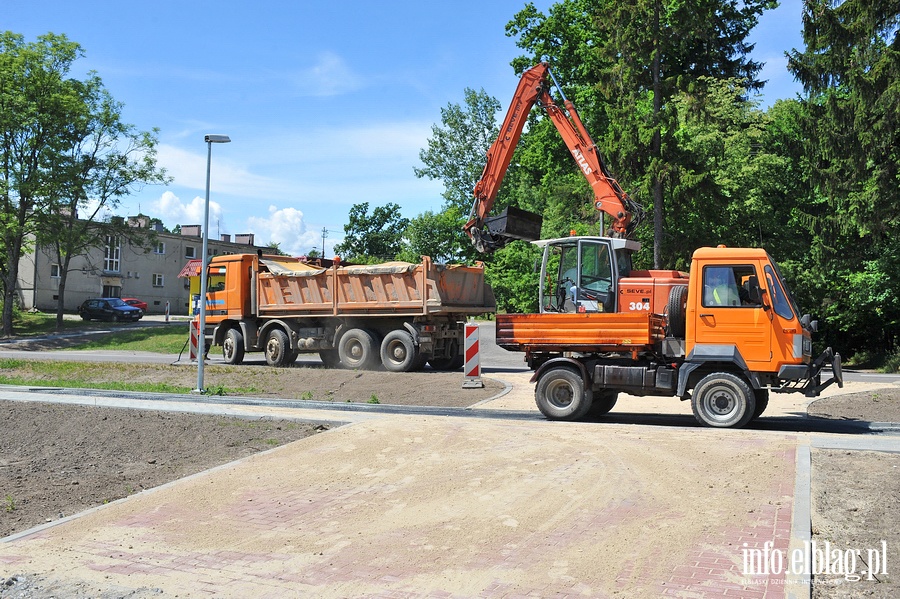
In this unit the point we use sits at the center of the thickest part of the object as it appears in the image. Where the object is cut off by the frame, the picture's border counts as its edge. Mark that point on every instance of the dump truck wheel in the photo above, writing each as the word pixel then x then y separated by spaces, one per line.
pixel 398 352
pixel 560 394
pixel 233 347
pixel 604 401
pixel 676 310
pixel 330 358
pixel 358 349
pixel 277 348
pixel 722 399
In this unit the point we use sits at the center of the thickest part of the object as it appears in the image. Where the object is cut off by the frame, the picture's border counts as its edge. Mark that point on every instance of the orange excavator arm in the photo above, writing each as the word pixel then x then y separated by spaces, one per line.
pixel 488 234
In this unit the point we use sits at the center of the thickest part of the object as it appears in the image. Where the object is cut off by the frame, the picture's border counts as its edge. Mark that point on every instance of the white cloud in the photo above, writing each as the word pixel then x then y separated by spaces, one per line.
pixel 286 227
pixel 227 175
pixel 173 211
pixel 330 76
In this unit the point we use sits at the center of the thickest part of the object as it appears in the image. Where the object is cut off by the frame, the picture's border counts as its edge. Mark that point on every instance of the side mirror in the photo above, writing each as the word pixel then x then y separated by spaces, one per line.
pixel 809 324
pixel 754 291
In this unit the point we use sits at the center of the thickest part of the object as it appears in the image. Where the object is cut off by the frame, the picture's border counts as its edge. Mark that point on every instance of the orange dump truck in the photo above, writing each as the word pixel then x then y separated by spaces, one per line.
pixel 398 314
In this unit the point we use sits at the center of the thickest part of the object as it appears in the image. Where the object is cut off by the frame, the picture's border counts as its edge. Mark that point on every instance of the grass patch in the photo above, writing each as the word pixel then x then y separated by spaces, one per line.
pixel 108 376
pixel 33 324
pixel 161 340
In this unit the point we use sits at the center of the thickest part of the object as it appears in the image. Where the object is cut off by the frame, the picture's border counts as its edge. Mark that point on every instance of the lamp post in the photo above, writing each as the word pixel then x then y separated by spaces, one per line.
pixel 204 259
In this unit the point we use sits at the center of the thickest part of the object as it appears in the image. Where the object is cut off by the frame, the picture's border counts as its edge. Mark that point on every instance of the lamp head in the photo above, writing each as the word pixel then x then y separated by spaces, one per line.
pixel 216 139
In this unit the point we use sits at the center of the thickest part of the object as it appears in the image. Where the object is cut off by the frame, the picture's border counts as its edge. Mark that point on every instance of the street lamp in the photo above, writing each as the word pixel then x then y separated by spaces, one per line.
pixel 204 259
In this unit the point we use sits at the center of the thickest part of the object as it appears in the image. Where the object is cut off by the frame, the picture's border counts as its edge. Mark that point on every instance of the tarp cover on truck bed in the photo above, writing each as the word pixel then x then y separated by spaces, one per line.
pixel 290 267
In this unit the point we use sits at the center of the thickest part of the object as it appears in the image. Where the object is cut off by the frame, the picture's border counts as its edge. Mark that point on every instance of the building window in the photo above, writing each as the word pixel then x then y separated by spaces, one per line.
pixel 113 254
pixel 112 291
pixel 190 252
pixel 160 248
pixel 158 280
pixel 54 271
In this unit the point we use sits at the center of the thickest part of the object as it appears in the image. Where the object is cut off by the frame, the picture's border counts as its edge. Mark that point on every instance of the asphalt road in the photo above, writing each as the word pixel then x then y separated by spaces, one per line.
pixel 494 359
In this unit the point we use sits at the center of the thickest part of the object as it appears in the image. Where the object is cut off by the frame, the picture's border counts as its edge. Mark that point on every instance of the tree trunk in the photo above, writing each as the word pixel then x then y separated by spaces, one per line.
pixel 13 253
pixel 61 301
pixel 656 147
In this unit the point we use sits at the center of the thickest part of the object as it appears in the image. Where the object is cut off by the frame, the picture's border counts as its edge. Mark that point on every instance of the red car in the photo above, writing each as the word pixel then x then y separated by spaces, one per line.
pixel 133 301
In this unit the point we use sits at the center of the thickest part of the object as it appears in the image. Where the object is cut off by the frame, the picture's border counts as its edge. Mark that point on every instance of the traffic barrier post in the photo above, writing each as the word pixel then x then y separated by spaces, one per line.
pixel 472 367
pixel 195 340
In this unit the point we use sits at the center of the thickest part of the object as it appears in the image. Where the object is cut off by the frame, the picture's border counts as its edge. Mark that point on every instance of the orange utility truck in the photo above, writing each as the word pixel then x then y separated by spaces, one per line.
pixel 723 336
pixel 398 314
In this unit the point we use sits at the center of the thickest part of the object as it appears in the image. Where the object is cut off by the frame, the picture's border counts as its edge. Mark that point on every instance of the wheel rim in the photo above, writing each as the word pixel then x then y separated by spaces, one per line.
pixel 228 348
pixel 273 349
pixel 355 349
pixel 397 352
pixel 560 394
pixel 720 402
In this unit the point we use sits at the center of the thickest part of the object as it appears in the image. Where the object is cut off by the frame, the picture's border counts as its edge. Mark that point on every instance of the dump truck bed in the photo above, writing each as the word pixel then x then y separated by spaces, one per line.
pixel 391 289
pixel 590 332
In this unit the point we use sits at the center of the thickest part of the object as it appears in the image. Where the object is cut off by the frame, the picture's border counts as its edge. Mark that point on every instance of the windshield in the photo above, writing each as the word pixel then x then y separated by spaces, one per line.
pixel 782 302
pixel 116 302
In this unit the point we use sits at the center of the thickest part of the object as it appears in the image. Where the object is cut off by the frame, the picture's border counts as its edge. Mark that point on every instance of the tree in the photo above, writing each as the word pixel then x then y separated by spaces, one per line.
pixel 274 248
pixel 456 152
pixel 438 235
pixel 377 236
pixel 37 106
pixel 628 62
pixel 102 160
pixel 850 70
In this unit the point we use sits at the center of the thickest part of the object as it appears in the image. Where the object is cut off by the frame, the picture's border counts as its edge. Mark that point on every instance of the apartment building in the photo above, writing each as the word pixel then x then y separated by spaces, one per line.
pixel 120 269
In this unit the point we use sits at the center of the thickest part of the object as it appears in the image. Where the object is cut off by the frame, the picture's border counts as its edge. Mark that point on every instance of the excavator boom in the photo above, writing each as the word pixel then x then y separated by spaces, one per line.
pixel 490 233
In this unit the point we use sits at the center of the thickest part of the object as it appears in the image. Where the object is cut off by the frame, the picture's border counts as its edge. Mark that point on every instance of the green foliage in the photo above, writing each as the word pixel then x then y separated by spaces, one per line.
pixel 438 235
pixel 67 158
pixel 512 275
pixel 456 150
pixel 373 237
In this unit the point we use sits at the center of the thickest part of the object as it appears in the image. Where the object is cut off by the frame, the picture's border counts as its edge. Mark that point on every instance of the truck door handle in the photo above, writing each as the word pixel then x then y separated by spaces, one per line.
pixel 706 315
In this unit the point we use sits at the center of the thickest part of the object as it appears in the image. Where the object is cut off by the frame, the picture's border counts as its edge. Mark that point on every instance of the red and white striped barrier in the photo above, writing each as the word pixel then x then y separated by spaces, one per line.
pixel 195 340
pixel 472 368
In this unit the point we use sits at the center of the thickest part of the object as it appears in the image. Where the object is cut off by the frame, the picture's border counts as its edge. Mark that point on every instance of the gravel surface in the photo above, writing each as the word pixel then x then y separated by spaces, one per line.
pixel 57 460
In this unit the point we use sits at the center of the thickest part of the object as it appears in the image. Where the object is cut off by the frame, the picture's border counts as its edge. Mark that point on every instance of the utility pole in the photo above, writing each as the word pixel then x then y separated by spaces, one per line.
pixel 324 235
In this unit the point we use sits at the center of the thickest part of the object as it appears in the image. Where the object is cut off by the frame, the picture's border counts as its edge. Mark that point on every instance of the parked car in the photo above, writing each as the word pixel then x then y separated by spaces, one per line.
pixel 133 301
pixel 109 308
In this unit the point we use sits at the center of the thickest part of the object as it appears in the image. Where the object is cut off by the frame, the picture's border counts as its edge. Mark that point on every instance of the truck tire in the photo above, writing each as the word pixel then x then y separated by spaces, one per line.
pixel 722 399
pixel 560 394
pixel 398 352
pixel 233 347
pixel 603 403
pixel 676 310
pixel 762 402
pixel 330 358
pixel 277 348
pixel 358 349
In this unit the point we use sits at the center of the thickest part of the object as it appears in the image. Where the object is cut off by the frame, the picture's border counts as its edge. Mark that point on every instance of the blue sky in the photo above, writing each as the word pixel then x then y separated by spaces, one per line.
pixel 327 104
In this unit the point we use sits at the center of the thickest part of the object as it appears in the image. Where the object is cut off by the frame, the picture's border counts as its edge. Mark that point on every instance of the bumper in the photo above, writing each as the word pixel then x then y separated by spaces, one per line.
pixel 811 374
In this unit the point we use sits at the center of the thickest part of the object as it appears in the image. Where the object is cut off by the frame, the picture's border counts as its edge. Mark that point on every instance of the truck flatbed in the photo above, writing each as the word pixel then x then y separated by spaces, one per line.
pixel 575 332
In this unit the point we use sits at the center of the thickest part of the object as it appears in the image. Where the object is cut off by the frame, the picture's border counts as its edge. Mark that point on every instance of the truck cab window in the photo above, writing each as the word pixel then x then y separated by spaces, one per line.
pixel 733 286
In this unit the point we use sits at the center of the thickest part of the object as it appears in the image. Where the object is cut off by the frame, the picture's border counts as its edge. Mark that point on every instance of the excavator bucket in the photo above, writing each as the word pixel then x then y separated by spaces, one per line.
pixel 515 223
